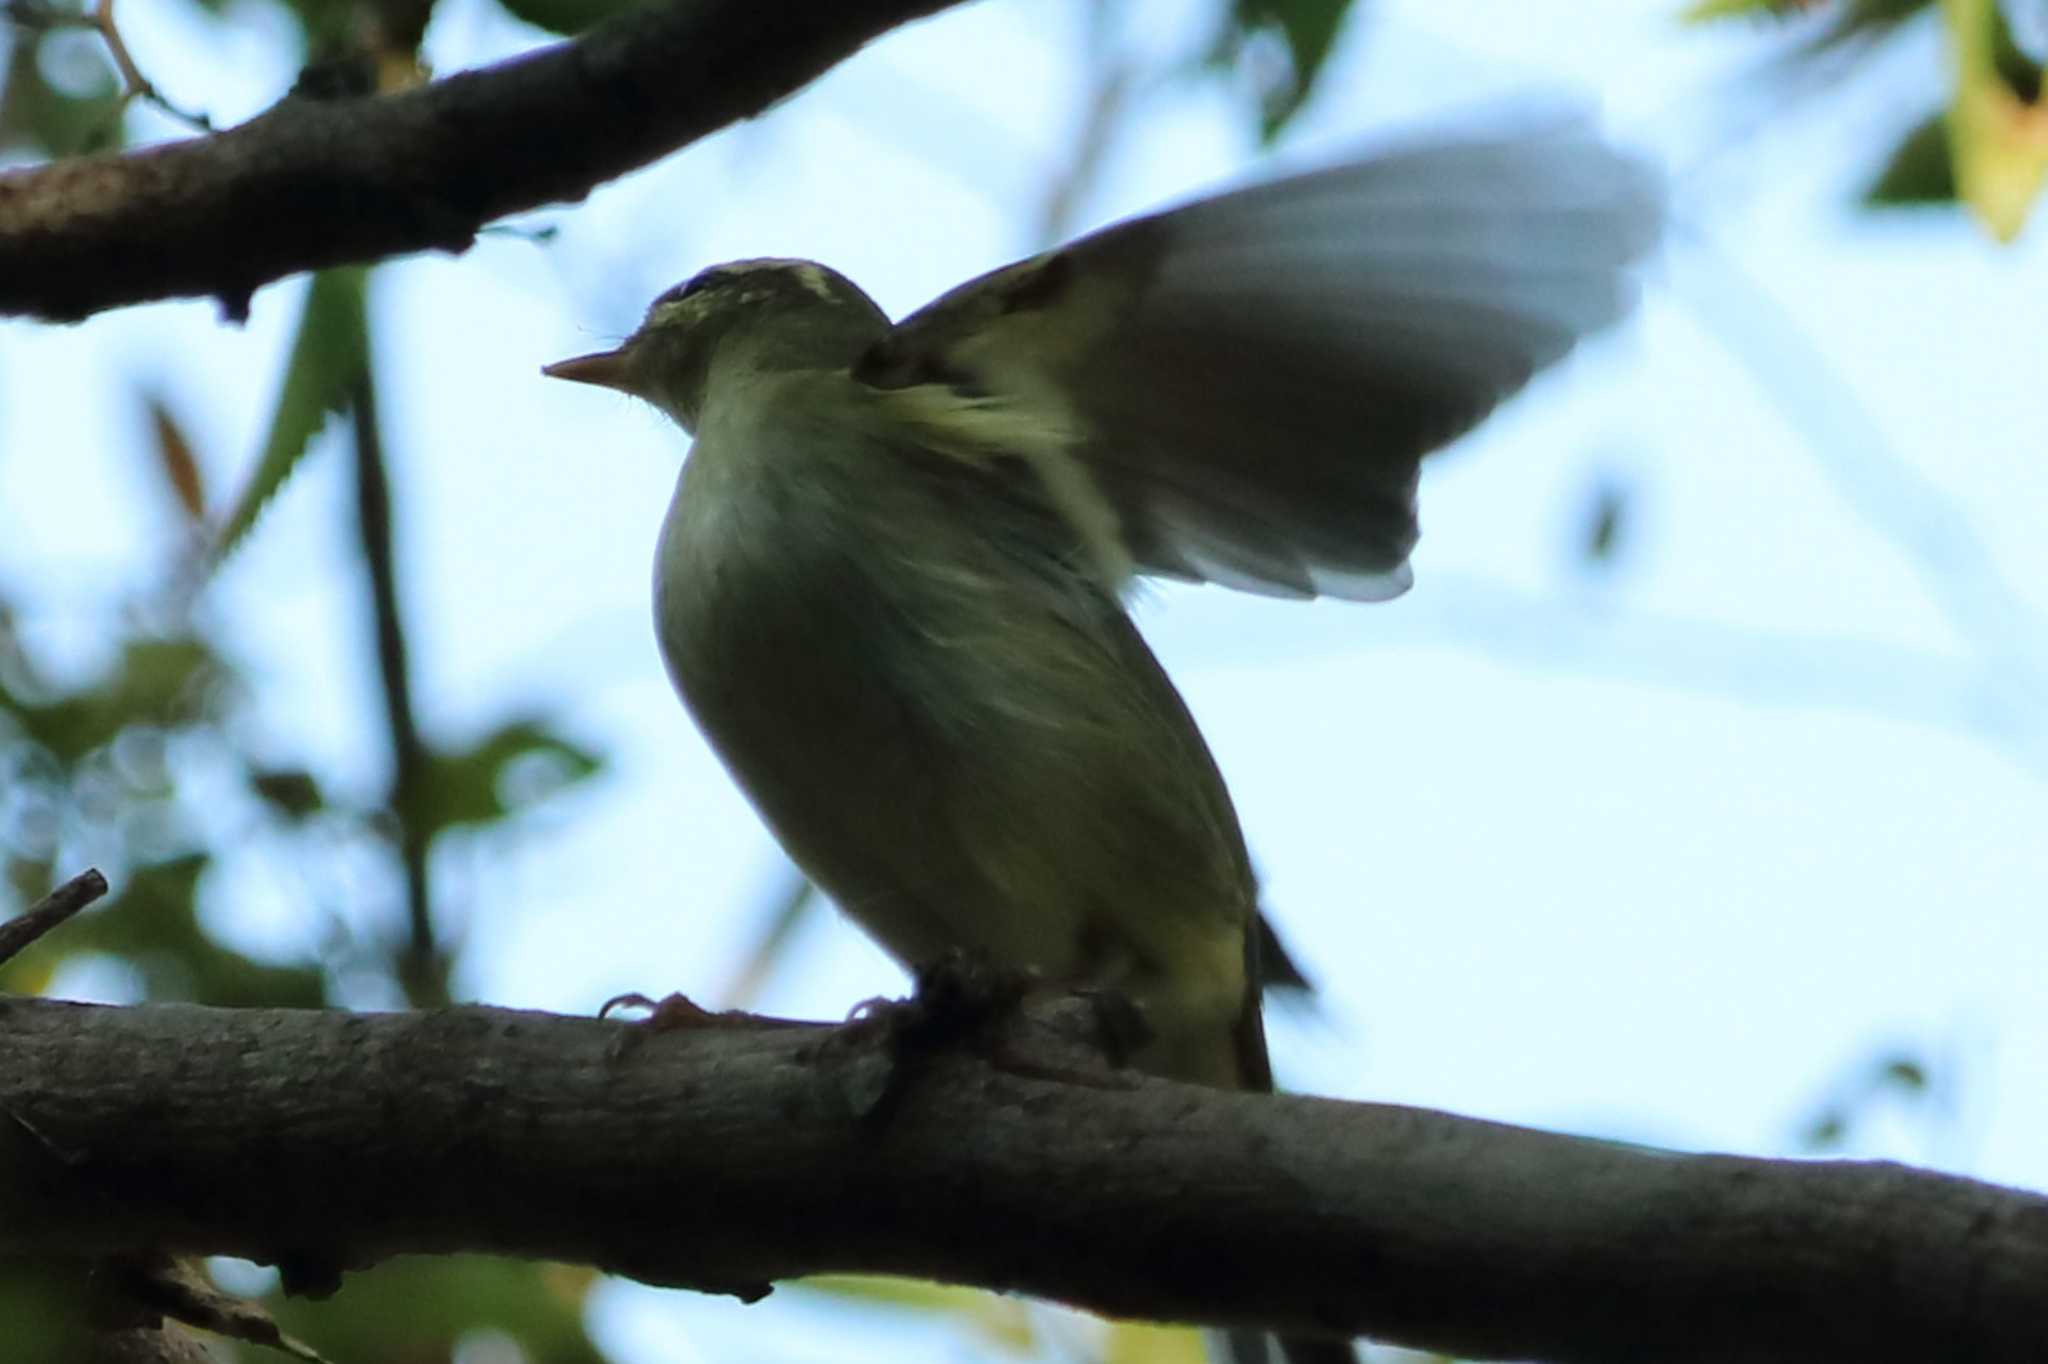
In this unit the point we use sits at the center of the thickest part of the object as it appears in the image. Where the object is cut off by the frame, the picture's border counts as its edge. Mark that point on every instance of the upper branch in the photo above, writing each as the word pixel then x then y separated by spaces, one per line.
pixel 318 182
pixel 727 1157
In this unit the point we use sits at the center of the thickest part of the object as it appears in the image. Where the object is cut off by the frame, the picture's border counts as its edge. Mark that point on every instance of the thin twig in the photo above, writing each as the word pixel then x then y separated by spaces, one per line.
pixel 134 85
pixel 53 909
pixel 421 971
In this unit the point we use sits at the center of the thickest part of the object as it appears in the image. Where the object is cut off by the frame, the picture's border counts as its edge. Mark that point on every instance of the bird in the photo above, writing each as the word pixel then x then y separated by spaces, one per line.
pixel 891 585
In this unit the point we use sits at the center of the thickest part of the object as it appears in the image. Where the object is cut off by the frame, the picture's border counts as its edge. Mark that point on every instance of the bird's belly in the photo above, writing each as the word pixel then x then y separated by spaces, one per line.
pixel 861 742
pixel 965 750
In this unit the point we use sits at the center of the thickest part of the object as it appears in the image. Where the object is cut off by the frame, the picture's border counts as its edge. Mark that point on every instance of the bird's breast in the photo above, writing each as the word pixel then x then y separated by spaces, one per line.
pixel 946 721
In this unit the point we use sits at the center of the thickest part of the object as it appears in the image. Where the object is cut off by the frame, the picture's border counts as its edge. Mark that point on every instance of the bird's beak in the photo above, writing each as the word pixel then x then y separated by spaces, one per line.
pixel 605 368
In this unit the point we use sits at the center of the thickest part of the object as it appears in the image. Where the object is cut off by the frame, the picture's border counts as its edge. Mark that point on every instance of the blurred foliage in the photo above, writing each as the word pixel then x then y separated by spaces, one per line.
pixel 1898 1080
pixel 61 96
pixel 422 1310
pixel 1987 149
pixel 147 769
pixel 41 1303
pixel 1920 170
pixel 1006 1326
pixel 1018 1328
pixel 1997 129
pixel 330 352
pixel 1604 533
pixel 1281 45
pixel 515 766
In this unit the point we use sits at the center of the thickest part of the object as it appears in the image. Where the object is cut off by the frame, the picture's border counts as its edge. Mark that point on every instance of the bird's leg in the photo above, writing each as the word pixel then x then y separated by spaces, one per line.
pixel 960 1000
pixel 1121 1029
pixel 956 999
pixel 953 999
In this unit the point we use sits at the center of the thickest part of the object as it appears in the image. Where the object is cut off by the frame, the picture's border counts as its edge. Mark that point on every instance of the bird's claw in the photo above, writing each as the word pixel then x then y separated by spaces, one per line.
pixel 671 1013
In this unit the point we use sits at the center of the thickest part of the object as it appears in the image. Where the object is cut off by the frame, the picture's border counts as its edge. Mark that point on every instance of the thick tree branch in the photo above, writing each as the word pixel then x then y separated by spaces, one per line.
pixel 727 1157
pixel 318 182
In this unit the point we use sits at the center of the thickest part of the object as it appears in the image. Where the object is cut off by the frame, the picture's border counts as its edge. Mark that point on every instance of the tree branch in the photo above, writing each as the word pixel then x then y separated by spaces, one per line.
pixel 53 909
pixel 727 1157
pixel 315 182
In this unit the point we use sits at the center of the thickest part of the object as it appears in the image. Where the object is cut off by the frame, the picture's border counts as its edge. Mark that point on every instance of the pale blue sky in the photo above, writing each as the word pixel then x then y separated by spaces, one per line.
pixel 1660 855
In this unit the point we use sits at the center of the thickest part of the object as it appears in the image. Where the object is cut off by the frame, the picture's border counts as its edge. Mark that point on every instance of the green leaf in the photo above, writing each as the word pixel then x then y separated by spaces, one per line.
pixel 1308 29
pixel 517 766
pixel 158 681
pixel 42 1300
pixel 1709 11
pixel 291 791
pixel 52 121
pixel 1919 170
pixel 328 356
pixel 29 879
pixel 1863 23
pixel 424 1307
pixel 1863 15
pixel 152 921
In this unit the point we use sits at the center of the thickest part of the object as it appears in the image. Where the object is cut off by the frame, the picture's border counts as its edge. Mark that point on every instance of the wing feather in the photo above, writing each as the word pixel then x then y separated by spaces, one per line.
pixel 1253 379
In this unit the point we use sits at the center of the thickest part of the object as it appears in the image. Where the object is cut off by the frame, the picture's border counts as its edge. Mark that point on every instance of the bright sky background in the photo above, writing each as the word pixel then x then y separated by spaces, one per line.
pixel 1663 852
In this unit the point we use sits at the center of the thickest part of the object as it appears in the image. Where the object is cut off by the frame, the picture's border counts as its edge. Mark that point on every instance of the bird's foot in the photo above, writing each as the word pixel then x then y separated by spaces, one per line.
pixel 1121 1030
pixel 673 1012
pixel 666 1014
pixel 955 1001
pixel 960 1002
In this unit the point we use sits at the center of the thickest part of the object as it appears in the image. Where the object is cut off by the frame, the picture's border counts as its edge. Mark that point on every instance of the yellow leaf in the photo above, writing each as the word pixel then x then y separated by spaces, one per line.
pixel 1998 142
pixel 1140 1342
pixel 1001 1320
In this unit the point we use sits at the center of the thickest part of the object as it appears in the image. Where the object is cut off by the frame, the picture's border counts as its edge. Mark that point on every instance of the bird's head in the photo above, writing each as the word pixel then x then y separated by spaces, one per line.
pixel 748 316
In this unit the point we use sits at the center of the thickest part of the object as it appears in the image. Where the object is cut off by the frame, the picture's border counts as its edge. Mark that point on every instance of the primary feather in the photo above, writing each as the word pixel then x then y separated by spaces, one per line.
pixel 1253 379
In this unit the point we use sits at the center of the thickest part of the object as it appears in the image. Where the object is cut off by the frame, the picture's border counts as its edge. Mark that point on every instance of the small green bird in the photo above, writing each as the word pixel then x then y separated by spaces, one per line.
pixel 889 584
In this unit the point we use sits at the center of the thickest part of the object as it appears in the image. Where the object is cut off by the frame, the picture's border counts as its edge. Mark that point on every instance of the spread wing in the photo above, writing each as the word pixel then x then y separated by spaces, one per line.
pixel 1248 383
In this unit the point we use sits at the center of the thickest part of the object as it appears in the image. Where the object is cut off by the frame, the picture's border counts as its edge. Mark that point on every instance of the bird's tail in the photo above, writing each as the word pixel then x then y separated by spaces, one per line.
pixel 1255 1071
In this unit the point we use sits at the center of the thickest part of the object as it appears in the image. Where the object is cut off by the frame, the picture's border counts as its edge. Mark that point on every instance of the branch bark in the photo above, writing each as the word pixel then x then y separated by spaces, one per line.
pixel 727 1157
pixel 320 182
pixel 50 911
